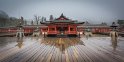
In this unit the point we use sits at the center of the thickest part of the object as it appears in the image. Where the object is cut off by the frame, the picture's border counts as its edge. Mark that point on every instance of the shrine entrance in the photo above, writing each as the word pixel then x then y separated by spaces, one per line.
pixel 61 30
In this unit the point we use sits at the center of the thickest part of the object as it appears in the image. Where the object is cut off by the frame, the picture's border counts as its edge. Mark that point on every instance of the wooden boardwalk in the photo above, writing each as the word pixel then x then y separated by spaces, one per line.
pixel 29 49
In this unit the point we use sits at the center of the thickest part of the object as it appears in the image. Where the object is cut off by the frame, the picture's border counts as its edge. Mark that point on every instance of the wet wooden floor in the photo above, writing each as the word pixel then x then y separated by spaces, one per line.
pixel 33 49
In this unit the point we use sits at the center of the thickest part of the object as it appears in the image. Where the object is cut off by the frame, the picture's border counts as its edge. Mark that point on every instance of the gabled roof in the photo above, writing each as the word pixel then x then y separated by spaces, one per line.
pixel 62 17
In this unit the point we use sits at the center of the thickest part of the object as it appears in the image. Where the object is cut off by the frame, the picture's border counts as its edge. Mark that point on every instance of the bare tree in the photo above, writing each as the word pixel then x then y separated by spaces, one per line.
pixel 32 23
pixel 45 19
pixel 42 19
pixel 37 18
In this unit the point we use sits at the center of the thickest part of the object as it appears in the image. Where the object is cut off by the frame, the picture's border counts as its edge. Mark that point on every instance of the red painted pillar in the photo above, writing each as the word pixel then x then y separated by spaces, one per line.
pixel 68 29
pixel 48 29
pixel 55 29
pixel 75 28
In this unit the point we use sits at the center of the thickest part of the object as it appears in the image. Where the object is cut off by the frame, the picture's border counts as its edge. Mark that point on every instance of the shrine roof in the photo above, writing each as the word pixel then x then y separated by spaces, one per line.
pixel 94 25
pixel 62 21
pixel 62 17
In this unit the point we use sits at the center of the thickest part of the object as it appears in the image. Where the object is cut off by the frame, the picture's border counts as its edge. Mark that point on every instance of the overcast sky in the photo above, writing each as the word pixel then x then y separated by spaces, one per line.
pixel 91 10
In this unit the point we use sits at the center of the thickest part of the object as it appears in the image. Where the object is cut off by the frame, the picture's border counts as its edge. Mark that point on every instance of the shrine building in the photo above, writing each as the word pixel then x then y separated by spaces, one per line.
pixel 61 26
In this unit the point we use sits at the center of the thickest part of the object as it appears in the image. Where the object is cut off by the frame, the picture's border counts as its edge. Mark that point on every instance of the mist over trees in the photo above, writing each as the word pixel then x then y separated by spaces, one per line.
pixel 6 21
pixel 3 18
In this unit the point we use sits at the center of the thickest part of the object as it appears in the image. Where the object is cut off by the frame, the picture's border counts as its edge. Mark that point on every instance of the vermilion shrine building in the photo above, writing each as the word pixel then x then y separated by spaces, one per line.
pixel 61 26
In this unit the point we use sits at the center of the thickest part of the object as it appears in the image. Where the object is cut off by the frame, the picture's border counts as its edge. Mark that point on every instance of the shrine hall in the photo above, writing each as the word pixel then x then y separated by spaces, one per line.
pixel 61 26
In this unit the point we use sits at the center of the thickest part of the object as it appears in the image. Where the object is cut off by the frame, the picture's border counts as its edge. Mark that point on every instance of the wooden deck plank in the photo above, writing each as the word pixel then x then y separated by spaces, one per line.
pixel 111 54
pixel 42 55
pixel 34 58
pixel 49 54
pixel 38 54
pixel 15 55
pixel 11 52
pixel 28 53
pixel 93 49
pixel 83 56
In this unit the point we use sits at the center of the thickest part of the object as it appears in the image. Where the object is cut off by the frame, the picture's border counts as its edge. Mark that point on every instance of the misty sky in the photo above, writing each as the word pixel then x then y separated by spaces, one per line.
pixel 95 11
